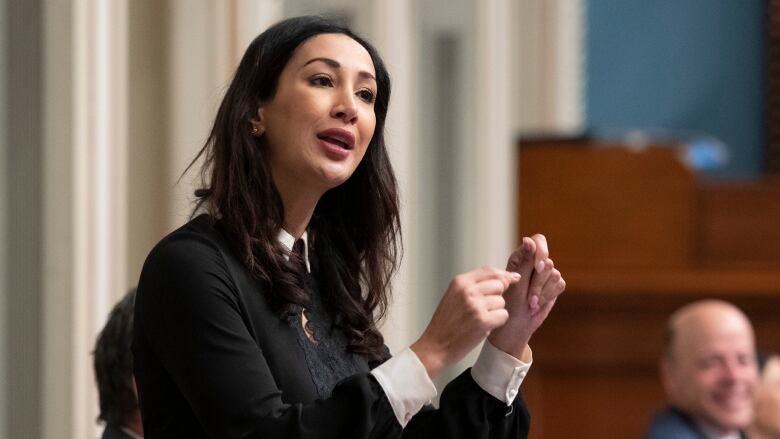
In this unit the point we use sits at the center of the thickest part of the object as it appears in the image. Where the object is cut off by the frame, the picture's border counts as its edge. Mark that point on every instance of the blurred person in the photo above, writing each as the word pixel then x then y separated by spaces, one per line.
pixel 113 361
pixel 708 371
pixel 259 317
pixel 766 417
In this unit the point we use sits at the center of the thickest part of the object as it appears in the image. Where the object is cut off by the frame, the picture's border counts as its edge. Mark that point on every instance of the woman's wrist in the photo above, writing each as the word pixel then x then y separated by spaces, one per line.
pixel 511 340
pixel 433 359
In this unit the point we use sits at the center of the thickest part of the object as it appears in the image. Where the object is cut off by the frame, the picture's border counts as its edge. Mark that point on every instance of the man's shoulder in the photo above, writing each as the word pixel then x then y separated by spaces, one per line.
pixel 672 423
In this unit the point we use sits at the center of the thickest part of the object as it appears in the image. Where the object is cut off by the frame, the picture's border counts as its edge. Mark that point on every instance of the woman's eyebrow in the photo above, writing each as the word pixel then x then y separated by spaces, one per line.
pixel 335 64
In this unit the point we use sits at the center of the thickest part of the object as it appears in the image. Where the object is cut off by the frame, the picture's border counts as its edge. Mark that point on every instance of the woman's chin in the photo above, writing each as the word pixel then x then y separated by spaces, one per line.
pixel 334 177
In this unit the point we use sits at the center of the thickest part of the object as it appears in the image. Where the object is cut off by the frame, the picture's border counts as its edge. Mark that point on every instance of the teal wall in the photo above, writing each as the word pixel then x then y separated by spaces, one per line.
pixel 679 65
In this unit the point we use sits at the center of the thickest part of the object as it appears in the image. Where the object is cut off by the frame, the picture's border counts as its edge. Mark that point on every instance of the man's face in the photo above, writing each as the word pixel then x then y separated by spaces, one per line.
pixel 711 370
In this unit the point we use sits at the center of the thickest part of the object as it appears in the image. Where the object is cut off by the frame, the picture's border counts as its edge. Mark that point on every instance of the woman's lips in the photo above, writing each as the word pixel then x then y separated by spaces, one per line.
pixel 335 150
pixel 338 137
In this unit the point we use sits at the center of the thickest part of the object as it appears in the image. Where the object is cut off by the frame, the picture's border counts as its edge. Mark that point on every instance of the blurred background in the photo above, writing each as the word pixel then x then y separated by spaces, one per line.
pixel 641 137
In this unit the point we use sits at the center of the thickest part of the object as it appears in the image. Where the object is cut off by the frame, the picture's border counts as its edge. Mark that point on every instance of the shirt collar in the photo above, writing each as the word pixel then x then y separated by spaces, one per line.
pixel 131 433
pixel 712 433
pixel 288 241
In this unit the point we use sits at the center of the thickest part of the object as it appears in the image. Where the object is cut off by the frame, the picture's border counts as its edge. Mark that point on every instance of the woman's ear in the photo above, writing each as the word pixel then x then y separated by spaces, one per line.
pixel 258 125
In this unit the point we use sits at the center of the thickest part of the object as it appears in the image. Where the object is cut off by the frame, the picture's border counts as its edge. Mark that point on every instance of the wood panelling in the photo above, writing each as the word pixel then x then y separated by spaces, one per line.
pixel 595 373
pixel 739 223
pixel 597 203
pixel 636 236
pixel 605 404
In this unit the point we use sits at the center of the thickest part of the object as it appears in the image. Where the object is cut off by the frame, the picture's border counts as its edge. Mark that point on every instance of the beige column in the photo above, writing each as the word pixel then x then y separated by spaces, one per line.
pixel 84 166
pixel 205 42
pixel 191 96
pixel 548 66
pixel 393 35
pixel 487 167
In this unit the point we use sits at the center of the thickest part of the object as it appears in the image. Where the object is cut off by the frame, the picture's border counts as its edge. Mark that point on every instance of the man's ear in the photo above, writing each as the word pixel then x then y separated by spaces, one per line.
pixel 258 123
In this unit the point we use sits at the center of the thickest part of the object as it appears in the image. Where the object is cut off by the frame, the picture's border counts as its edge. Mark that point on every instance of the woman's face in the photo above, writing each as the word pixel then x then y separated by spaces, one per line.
pixel 321 118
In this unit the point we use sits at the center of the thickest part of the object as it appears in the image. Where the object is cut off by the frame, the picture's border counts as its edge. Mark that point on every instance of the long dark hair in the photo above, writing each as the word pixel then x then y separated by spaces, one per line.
pixel 355 228
pixel 113 363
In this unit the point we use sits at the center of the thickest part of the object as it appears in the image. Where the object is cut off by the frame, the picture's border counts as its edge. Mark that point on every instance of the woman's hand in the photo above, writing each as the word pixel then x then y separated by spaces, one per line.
pixel 530 300
pixel 472 306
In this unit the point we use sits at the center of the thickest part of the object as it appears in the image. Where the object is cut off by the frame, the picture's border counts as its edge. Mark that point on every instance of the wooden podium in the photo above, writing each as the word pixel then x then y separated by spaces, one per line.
pixel 636 235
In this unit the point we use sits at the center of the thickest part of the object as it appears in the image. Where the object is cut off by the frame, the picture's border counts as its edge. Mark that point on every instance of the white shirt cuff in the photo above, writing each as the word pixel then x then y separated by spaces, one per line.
pixel 406 384
pixel 499 373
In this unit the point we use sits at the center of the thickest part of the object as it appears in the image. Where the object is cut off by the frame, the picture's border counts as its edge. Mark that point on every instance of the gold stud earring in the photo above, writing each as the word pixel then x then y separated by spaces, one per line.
pixel 255 130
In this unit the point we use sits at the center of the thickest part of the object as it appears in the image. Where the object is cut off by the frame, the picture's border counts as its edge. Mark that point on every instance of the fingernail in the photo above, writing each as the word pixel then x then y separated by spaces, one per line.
pixel 539 266
pixel 515 276
pixel 533 301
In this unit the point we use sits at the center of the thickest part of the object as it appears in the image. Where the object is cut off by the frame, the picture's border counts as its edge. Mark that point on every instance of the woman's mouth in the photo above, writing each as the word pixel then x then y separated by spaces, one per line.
pixel 338 137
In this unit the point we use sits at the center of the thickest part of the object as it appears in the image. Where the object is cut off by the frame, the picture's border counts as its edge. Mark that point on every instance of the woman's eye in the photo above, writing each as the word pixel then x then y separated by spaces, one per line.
pixel 366 95
pixel 321 81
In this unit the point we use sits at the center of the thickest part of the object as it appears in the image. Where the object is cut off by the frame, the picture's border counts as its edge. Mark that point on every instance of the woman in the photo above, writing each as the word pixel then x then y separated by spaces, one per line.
pixel 258 318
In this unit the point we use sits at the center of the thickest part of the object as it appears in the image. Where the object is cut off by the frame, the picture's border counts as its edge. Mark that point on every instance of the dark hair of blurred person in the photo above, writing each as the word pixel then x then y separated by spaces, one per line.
pixel 113 362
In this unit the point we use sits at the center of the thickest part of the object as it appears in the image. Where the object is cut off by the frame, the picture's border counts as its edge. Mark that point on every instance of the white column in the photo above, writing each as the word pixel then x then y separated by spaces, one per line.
pixel 569 55
pixel 251 18
pixel 85 199
pixel 236 23
pixel 393 37
pixel 488 167
pixel 203 40
pixel 548 66
pixel 487 185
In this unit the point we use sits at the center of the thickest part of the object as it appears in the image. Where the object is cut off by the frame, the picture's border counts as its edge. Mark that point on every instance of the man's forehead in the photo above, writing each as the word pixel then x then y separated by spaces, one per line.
pixel 723 344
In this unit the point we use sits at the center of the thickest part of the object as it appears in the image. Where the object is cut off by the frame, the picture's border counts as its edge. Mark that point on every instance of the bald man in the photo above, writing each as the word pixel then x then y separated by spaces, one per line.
pixel 709 373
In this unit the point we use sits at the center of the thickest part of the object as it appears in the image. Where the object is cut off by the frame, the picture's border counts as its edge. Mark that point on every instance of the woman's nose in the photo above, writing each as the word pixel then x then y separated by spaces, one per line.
pixel 345 107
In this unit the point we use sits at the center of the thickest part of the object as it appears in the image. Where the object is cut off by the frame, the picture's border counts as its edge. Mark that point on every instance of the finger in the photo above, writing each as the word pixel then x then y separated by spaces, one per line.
pixel 494 302
pixel 554 286
pixel 542 251
pixel 496 318
pixel 487 273
pixel 490 287
pixel 521 260
pixel 533 303
pixel 543 311
pixel 543 270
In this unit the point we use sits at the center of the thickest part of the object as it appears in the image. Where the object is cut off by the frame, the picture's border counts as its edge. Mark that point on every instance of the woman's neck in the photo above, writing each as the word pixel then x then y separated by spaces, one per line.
pixel 299 197
pixel 298 210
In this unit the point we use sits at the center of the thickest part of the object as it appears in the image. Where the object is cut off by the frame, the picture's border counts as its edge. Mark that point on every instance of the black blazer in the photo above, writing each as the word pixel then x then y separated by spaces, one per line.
pixel 213 361
pixel 674 423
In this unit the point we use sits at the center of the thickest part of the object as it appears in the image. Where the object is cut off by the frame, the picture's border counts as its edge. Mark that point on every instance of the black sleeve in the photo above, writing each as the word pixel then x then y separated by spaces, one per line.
pixel 467 411
pixel 189 314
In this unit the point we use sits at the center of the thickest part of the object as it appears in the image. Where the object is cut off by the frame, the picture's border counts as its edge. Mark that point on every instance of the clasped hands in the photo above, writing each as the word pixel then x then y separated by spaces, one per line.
pixel 506 306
